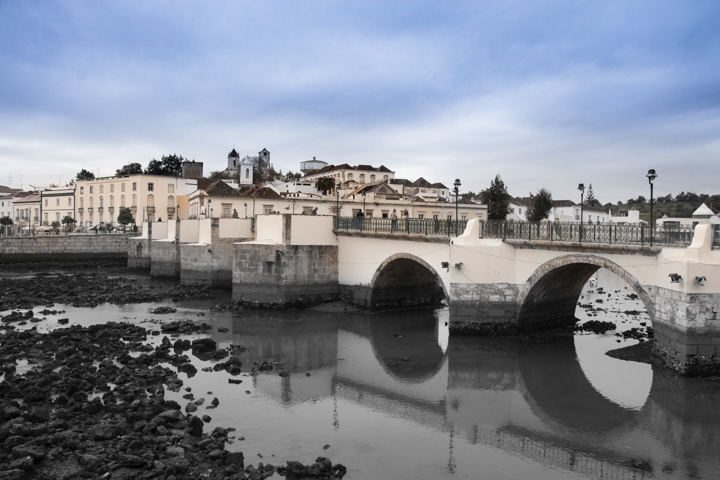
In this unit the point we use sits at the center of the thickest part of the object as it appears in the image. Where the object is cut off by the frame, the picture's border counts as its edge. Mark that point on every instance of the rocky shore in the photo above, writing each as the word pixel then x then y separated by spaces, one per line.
pixel 89 402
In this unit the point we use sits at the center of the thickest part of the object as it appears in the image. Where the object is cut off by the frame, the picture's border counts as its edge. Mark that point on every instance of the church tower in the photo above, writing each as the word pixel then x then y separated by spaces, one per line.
pixel 233 161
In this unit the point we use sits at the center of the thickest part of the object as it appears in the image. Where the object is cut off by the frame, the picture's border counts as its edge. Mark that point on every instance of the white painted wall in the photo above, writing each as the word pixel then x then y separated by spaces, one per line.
pixel 205 231
pixel 269 229
pixel 189 231
pixel 236 228
pixel 312 230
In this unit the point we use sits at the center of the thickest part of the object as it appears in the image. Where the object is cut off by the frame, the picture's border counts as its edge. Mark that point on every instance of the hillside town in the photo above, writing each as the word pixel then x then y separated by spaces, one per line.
pixel 249 187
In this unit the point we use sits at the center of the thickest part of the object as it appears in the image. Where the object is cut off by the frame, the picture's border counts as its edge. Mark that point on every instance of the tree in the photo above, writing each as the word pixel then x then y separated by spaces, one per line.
pixel 540 205
pixel 129 169
pixel 85 175
pixel 468 196
pixel 125 216
pixel 6 220
pixel 68 220
pixel 325 185
pixel 590 200
pixel 497 199
pixel 218 174
pixel 169 165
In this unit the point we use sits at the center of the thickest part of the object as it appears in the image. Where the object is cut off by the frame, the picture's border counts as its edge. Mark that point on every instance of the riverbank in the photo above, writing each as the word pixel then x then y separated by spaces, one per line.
pixel 89 402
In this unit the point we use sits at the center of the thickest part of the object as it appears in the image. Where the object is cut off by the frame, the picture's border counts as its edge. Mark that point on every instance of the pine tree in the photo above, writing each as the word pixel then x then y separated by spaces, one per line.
pixel 497 199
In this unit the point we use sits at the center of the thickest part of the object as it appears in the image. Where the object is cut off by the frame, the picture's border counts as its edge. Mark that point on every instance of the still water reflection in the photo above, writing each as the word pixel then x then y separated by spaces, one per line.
pixel 392 396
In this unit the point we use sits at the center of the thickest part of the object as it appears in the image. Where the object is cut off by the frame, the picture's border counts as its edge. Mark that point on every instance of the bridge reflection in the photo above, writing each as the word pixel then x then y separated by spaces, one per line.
pixel 526 398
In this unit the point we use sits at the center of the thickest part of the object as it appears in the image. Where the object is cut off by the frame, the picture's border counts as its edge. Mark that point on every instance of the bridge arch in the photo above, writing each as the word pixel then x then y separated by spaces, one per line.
pixel 405 280
pixel 551 293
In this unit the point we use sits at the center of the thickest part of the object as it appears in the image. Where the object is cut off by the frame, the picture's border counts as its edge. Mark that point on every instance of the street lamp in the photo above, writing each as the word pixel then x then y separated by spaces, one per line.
pixel 337 206
pixel 651 175
pixel 457 196
pixel 581 187
pixel 245 205
pixel 364 212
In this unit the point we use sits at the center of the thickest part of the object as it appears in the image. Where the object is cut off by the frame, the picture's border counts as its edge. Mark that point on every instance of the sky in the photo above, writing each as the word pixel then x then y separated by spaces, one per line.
pixel 544 93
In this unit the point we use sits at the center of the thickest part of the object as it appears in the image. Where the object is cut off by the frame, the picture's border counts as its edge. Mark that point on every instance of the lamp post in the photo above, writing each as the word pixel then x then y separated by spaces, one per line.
pixel 457 196
pixel 364 212
pixel 209 208
pixel 245 205
pixel 337 206
pixel 581 187
pixel 651 175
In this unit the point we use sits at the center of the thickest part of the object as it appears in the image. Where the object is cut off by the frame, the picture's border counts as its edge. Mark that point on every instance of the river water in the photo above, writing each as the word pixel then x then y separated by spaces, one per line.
pixel 393 396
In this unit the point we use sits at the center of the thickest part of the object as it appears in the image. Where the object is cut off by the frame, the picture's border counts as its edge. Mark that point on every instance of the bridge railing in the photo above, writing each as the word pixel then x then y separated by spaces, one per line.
pixel 412 226
pixel 601 233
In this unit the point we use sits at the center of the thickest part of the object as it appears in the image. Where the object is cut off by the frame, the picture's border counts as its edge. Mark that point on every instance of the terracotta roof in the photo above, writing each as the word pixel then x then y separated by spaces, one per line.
pixel 563 203
pixel 438 185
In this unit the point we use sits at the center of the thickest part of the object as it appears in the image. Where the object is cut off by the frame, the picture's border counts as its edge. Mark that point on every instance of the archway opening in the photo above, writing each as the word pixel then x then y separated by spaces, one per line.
pixel 552 299
pixel 406 282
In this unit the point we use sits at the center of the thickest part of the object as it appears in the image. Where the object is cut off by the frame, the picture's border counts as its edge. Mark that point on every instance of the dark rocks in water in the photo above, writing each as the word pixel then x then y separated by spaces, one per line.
pixel 18 316
pixel 232 366
pixel 163 310
pixel 322 468
pixel 640 352
pixel 203 345
pixel 184 327
pixel 595 326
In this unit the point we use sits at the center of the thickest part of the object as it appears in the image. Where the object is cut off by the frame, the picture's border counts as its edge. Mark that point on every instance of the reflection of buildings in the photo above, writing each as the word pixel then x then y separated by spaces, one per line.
pixel 524 398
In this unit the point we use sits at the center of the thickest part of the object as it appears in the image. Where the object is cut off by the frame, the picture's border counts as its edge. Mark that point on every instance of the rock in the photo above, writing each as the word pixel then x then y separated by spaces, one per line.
pixel 203 345
pixel 195 426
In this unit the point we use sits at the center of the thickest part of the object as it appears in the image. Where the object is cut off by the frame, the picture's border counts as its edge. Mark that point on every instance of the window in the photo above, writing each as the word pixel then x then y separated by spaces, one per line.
pixel 122 187
pixel 57 202
pixel 372 178
pixel 150 187
pixel 386 178
pixel 122 201
pixel 463 217
pixel 112 187
pixel 82 189
pixel 112 201
pixel 134 186
pixel 268 209
pixel 46 202
pixel 82 201
pixel 350 176
pixel 171 188
pixel 449 217
pixel 91 202
pixel 362 178
pixel 91 189
pixel 134 201
pixel 101 202
pixel 102 188
pixel 226 210
pixel 69 202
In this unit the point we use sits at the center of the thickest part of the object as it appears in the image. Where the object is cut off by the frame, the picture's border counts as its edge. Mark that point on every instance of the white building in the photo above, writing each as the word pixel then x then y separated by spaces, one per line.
pixel 703 212
pixel 155 197
pixel 57 203
pixel 350 177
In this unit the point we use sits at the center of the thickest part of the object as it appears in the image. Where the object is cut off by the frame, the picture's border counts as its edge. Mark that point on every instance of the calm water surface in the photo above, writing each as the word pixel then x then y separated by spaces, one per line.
pixel 392 396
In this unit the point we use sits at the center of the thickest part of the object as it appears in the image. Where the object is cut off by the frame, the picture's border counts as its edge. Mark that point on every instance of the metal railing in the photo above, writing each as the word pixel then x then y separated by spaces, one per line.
pixel 598 233
pixel 410 226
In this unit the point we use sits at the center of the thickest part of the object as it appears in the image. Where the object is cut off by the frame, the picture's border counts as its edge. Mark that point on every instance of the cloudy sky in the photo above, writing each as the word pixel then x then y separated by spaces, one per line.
pixel 544 93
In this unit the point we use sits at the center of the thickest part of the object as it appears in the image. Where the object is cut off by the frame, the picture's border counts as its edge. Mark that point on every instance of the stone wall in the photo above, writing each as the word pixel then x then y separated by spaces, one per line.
pixel 138 253
pixel 64 248
pixel 686 327
pixel 484 309
pixel 165 261
pixel 287 275
pixel 208 264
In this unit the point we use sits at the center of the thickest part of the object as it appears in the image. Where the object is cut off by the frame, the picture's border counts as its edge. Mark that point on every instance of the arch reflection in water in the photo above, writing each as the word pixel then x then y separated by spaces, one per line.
pixel 524 398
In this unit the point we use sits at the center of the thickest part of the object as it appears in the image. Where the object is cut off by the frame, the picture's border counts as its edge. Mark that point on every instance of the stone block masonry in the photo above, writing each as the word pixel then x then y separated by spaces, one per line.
pixel 138 253
pixel 285 275
pixel 207 264
pixel 64 248
pixel 165 259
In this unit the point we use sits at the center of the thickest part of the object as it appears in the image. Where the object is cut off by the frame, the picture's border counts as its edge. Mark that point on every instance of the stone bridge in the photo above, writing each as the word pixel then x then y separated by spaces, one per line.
pixel 492 286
